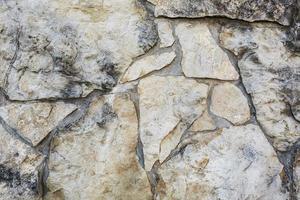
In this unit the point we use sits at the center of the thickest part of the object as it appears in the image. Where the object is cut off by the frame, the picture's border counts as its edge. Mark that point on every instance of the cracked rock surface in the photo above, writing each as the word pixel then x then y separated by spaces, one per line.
pixel 157 99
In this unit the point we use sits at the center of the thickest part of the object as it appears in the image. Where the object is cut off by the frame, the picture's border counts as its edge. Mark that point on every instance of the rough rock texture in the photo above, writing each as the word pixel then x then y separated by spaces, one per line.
pixel 165 115
pixel 62 51
pixel 203 123
pixel 148 64
pixel 96 159
pixel 228 101
pixel 254 10
pixel 237 163
pixel 35 120
pixel 149 99
pixel 18 168
pixel 202 58
pixel 270 74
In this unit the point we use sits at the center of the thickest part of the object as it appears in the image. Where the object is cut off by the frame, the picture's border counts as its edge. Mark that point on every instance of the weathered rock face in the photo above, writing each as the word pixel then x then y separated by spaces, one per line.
pixel 174 106
pixel 125 99
pixel 254 10
pixel 35 120
pixel 61 51
pixel 202 58
pixel 148 64
pixel 237 163
pixel 228 101
pixel 271 76
pixel 98 155
pixel 18 168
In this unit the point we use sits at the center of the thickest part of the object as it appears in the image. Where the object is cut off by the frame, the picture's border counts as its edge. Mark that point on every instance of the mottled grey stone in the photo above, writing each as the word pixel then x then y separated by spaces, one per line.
pixel 253 10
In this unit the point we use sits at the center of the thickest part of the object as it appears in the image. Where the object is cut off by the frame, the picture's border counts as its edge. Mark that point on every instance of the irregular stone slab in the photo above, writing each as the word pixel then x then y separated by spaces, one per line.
pixel 271 75
pixel 148 64
pixel 238 164
pixel 165 33
pixel 228 101
pixel 35 120
pixel 61 49
pixel 18 168
pixel 176 100
pixel 96 159
pixel 266 10
pixel 202 57
pixel 203 123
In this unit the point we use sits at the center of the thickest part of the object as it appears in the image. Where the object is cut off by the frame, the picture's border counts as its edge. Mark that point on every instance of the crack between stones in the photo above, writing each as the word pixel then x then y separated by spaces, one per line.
pixel 286 158
pixel 14 58
pixel 13 132
pixel 45 145
pixel 220 17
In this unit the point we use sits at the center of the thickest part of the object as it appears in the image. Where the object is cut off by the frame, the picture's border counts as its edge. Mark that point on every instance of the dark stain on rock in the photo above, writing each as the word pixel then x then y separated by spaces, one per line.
pixel 109 69
pixel 148 35
pixel 107 115
pixel 147 29
pixel 71 90
pixel 293 34
pixel 20 184
pixel 289 79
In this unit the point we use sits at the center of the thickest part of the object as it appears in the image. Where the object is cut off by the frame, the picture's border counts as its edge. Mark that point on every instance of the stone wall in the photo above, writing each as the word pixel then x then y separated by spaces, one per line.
pixel 157 99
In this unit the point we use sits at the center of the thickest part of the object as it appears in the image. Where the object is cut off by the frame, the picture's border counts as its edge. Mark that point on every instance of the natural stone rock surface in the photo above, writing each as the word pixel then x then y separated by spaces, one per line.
pixel 255 10
pixel 55 49
pixel 148 64
pixel 96 159
pixel 202 58
pixel 162 115
pixel 228 101
pixel 165 33
pixel 18 164
pixel 270 74
pixel 203 123
pixel 35 120
pixel 142 99
pixel 239 163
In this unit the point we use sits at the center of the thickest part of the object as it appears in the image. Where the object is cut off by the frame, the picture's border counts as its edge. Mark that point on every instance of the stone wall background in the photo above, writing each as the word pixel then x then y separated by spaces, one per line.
pixel 158 99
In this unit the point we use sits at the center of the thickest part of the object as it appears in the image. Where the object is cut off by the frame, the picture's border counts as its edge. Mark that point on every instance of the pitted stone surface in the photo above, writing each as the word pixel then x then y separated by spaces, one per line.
pixel 18 164
pixel 34 121
pixel 254 10
pixel 270 74
pixel 168 113
pixel 57 49
pixel 202 57
pixel 149 99
pixel 98 155
pixel 237 163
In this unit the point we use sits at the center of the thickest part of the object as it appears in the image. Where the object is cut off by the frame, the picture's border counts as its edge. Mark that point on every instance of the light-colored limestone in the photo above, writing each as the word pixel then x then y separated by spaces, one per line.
pixel 58 49
pixel 270 74
pixel 97 158
pixel 165 33
pixel 228 101
pixel 238 164
pixel 202 57
pixel 35 120
pixel 148 64
pixel 166 102
pixel 203 123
